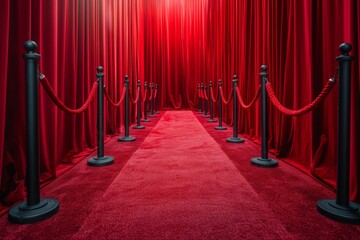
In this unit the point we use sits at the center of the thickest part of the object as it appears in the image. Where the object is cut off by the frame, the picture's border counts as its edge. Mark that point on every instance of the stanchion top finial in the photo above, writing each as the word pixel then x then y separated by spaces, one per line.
pixel 263 68
pixel 345 48
pixel 100 69
pixel 30 46
pixel 235 76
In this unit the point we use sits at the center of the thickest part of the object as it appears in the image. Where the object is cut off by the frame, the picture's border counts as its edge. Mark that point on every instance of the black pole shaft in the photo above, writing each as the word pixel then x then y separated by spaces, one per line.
pixel 127 106
pixel 156 102
pixel 153 100
pixel 235 108
pixel 203 98
pixel 220 104
pixel 100 115
pixel 146 101
pixel 342 197
pixel 210 101
pixel 199 99
pixel 206 108
pixel 32 169
pixel 138 105
pixel 264 116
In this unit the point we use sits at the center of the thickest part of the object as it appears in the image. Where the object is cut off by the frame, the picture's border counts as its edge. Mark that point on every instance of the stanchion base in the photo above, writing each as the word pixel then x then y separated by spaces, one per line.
pixel 235 140
pixel 157 112
pixel 201 112
pixel 151 116
pixel 220 128
pixel 100 161
pixel 126 139
pixel 138 127
pixel 329 208
pixel 211 120
pixel 145 120
pixel 264 162
pixel 206 116
pixel 23 214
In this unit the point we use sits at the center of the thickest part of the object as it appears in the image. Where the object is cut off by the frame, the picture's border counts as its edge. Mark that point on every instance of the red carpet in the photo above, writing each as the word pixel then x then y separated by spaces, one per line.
pixel 180 183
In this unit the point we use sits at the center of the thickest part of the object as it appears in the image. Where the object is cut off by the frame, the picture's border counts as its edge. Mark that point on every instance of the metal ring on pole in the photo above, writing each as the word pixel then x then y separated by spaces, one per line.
pixel 100 159
pixel 264 160
pixel 35 209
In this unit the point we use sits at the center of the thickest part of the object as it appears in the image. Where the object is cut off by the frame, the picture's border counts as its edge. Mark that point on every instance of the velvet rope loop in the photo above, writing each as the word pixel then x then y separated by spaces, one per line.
pixel 201 93
pixel 223 98
pixel 319 99
pixel 212 95
pixel 60 104
pixel 241 101
pixel 155 93
pixel 137 96
pixel 151 94
pixel 112 103
pixel 144 95
pixel 205 95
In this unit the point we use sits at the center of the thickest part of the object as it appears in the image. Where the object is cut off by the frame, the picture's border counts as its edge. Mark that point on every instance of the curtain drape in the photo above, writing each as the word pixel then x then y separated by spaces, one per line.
pixel 176 44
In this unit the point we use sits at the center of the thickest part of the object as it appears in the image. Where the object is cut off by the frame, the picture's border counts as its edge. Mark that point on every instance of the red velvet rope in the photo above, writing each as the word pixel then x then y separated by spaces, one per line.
pixel 151 94
pixel 137 97
pixel 205 95
pixel 112 103
pixel 144 96
pixel 223 98
pixel 212 95
pixel 326 90
pixel 252 101
pixel 60 104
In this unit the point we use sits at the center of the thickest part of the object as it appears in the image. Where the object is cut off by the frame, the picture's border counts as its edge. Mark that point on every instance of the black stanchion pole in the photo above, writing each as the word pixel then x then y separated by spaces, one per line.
pixel 126 138
pixel 145 104
pixel 211 104
pixel 206 104
pixel 152 88
pixel 156 104
pixel 264 160
pixel 138 119
pixel 100 159
pixel 219 100
pixel 342 209
pixel 235 138
pixel 35 209
pixel 199 99
pixel 202 99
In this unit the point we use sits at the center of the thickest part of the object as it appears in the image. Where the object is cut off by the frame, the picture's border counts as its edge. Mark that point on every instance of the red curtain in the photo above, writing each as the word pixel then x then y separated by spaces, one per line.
pixel 176 44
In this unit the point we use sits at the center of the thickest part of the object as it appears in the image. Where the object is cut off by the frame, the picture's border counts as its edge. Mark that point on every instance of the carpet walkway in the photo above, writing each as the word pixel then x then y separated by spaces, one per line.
pixel 181 180
pixel 180 185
